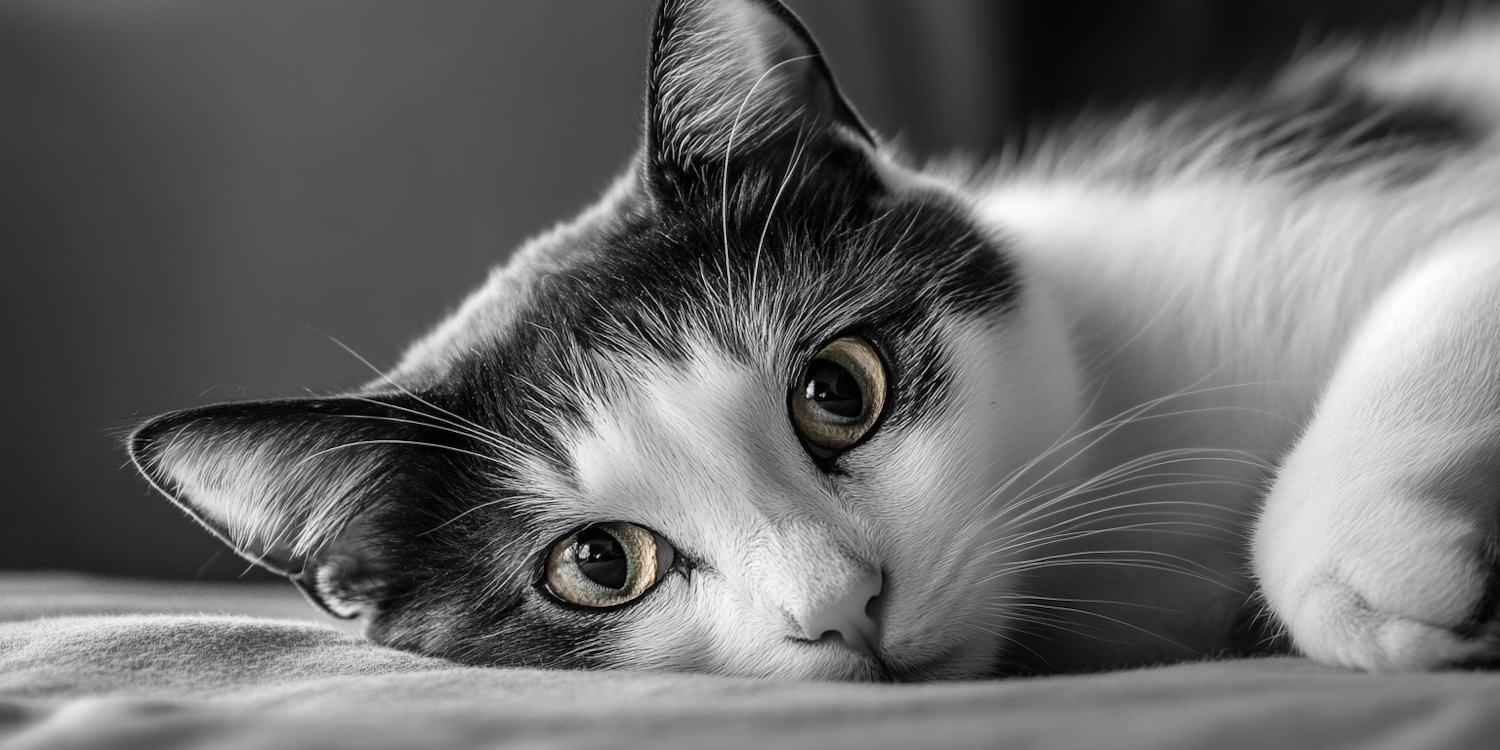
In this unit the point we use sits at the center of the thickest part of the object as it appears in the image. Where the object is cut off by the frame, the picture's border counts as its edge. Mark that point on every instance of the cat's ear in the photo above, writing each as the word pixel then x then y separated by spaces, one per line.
pixel 292 485
pixel 730 79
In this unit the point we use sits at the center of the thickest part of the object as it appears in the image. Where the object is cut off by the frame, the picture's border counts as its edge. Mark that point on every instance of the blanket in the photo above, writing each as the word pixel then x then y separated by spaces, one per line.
pixel 99 663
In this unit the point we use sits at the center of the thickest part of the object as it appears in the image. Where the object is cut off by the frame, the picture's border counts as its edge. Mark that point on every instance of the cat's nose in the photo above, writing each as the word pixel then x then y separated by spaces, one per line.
pixel 844 611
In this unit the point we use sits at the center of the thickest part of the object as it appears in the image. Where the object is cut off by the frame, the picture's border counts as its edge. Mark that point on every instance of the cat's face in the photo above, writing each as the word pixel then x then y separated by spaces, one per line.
pixel 754 413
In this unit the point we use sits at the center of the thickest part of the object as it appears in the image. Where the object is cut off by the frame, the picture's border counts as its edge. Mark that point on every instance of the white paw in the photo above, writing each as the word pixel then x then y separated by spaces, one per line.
pixel 1377 545
pixel 1402 586
pixel 1336 623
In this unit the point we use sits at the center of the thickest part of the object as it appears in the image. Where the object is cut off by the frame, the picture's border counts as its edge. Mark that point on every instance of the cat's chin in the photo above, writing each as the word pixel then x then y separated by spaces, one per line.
pixel 971 660
pixel 898 660
pixel 964 664
pixel 947 669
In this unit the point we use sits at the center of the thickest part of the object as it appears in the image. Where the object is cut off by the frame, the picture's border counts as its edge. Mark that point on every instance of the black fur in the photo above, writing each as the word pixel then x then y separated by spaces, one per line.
pixel 1309 130
pixel 1334 129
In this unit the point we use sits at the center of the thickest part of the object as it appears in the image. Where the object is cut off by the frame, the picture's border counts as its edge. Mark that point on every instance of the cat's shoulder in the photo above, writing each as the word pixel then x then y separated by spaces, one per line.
pixel 1342 168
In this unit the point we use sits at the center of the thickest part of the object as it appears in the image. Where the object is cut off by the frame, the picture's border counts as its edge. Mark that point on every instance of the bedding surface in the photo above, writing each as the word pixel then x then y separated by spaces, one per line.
pixel 99 663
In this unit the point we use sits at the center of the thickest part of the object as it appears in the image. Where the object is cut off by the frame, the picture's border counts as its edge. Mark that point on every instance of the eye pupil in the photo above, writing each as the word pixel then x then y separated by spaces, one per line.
pixel 601 558
pixel 834 388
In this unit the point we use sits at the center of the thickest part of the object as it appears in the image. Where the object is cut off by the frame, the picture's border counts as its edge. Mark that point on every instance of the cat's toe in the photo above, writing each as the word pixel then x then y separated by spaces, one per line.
pixel 1386 627
pixel 1364 575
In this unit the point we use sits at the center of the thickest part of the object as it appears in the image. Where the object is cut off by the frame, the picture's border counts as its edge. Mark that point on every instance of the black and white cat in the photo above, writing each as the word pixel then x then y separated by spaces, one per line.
pixel 781 404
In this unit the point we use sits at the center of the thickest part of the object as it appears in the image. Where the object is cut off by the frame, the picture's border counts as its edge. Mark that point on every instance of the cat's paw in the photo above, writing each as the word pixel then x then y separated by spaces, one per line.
pixel 1388 592
pixel 1377 544
pixel 1337 623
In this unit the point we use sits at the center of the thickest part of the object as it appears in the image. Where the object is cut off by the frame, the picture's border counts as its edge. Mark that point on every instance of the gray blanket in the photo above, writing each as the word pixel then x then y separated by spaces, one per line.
pixel 88 663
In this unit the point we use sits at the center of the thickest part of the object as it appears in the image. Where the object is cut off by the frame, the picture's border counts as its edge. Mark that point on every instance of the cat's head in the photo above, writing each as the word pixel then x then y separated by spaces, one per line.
pixel 753 413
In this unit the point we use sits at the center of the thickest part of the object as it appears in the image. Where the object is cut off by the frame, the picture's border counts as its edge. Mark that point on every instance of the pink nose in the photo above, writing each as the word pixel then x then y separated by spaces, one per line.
pixel 843 611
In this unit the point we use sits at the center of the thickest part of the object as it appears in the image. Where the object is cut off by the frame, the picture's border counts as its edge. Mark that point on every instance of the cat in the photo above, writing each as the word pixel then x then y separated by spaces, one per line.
pixel 1207 378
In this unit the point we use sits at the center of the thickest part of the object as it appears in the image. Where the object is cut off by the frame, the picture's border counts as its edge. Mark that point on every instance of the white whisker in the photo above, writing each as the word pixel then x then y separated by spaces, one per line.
pixel 457 419
pixel 734 127
pixel 414 443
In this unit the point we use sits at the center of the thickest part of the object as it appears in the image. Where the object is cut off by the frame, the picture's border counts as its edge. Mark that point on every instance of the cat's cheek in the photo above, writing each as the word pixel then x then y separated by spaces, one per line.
pixel 1018 411
pixel 935 611
pixel 951 481
pixel 661 633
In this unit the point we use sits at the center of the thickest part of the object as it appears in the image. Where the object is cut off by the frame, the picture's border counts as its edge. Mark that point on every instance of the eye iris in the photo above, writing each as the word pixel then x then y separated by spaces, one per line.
pixel 834 388
pixel 601 559
pixel 839 397
pixel 606 564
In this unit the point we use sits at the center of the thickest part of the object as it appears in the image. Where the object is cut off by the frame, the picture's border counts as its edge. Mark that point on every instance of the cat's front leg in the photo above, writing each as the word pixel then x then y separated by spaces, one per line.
pixel 1377 544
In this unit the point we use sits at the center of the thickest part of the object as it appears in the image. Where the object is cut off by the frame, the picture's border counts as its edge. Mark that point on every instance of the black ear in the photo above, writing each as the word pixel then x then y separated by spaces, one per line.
pixel 730 79
pixel 293 485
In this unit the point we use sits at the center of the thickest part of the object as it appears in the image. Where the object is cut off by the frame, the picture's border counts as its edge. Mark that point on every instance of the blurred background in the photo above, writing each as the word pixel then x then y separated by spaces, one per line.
pixel 198 196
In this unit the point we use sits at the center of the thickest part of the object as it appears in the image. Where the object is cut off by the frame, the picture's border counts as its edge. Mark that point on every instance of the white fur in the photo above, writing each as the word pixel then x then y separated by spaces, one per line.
pixel 1372 543
pixel 1264 301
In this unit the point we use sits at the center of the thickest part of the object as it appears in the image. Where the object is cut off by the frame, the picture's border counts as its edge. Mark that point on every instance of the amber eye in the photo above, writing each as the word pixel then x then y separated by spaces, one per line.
pixel 607 564
pixel 840 394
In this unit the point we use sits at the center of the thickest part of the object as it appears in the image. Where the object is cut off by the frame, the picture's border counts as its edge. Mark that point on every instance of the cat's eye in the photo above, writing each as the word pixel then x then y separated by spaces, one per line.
pixel 840 395
pixel 607 564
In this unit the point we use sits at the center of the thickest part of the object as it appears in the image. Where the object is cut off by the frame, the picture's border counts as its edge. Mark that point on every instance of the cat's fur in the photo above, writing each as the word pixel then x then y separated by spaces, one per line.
pixel 1138 374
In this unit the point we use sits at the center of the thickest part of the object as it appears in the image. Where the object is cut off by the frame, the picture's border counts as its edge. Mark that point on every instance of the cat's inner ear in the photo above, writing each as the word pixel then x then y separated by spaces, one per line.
pixel 731 79
pixel 293 485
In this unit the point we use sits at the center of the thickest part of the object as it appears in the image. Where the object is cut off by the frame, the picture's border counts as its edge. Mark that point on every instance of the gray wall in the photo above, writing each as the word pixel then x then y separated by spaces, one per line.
pixel 199 195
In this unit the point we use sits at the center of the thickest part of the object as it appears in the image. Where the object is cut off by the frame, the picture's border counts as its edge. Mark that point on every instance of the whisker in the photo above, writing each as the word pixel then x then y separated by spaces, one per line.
pixel 435 425
pixel 791 168
pixel 1104 429
pixel 1107 618
pixel 1112 602
pixel 1079 559
pixel 414 443
pixel 505 444
pixel 1040 537
pixel 734 127
pixel 1082 499
pixel 1086 494
pixel 461 421
pixel 1080 508
pixel 1167 528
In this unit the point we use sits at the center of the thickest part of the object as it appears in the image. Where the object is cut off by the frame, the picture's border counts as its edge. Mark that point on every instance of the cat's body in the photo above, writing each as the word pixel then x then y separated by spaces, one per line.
pixel 805 411
pixel 1221 257
pixel 1224 259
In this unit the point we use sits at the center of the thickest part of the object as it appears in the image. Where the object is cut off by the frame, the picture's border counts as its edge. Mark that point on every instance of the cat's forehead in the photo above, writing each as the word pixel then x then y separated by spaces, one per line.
pixel 685 436
pixel 769 269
